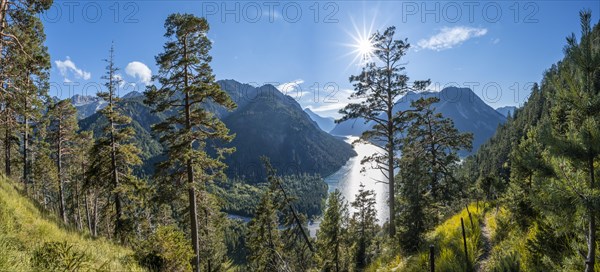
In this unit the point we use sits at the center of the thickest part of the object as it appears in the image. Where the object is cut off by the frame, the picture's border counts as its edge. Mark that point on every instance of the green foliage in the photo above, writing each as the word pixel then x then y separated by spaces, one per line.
pixel 448 244
pixel 114 154
pixel 427 170
pixel 59 256
pixel 333 249
pixel 166 249
pixel 263 238
pixel 363 227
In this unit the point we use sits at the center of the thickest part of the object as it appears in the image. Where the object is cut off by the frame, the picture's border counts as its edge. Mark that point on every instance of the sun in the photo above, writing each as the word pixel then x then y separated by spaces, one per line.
pixel 365 49
pixel 361 44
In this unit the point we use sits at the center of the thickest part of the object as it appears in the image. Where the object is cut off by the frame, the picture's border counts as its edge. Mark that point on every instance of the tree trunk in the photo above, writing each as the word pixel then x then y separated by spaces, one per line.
pixel 190 169
pixel 61 196
pixel 95 214
pixel 113 155
pixel 591 257
pixel 193 216
pixel 7 140
pixel 77 208
pixel 87 212
pixel 25 148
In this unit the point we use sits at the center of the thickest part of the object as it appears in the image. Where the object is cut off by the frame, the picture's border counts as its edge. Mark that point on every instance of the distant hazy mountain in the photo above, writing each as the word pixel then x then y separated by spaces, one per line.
pixel 266 122
pixel 465 108
pixel 87 105
pixel 507 110
pixel 324 123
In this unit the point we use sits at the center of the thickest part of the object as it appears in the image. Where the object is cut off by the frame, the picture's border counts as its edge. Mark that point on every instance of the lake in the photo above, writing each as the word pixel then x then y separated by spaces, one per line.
pixel 349 177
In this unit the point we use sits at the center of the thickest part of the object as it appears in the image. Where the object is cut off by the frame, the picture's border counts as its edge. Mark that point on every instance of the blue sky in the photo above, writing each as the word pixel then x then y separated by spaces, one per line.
pixel 308 48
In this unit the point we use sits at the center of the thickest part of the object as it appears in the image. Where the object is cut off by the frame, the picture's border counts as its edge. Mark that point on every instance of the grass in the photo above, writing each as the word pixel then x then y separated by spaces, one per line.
pixel 448 245
pixel 25 232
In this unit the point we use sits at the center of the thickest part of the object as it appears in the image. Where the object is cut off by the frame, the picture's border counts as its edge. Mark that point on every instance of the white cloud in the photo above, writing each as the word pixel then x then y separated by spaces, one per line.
pixel 139 71
pixel 67 67
pixel 450 37
pixel 119 78
pixel 292 88
pixel 496 41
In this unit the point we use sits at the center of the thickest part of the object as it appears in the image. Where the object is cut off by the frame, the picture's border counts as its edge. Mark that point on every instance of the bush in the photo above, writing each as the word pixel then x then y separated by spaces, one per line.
pixel 59 256
pixel 166 249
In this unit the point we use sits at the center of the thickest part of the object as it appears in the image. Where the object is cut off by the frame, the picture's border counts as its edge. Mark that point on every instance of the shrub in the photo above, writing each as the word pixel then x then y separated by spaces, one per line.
pixel 59 256
pixel 166 250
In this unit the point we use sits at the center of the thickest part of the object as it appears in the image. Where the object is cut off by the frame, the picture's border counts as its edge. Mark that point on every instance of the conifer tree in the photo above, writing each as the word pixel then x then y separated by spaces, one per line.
pixel 44 171
pixel 186 84
pixel 63 135
pixel 363 225
pixel 438 142
pixel 332 242
pixel 22 58
pixel 114 153
pixel 576 118
pixel 263 240
pixel 382 83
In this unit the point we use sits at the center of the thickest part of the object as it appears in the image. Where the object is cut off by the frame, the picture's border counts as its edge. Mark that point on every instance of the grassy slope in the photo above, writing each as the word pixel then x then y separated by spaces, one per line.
pixel 24 228
pixel 448 243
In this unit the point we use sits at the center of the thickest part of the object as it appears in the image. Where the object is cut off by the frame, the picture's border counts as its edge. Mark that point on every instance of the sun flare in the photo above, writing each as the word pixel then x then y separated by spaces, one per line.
pixel 364 48
pixel 361 44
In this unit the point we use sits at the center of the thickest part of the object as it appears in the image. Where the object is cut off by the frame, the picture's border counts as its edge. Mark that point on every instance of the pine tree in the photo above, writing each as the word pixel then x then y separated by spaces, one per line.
pixel 187 82
pixel 363 225
pixel 428 165
pixel 382 84
pixel 81 162
pixel 414 199
pixel 63 135
pixel 298 242
pixel 44 170
pixel 576 117
pixel 24 76
pixel 332 246
pixel 438 142
pixel 21 37
pixel 114 153
pixel 213 253
pixel 263 240
pixel 527 162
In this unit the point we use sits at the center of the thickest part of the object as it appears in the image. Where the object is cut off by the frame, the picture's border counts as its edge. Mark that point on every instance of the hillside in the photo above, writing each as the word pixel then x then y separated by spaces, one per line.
pixel 462 105
pixel 266 122
pixel 272 124
pixel 26 232
pixel 448 245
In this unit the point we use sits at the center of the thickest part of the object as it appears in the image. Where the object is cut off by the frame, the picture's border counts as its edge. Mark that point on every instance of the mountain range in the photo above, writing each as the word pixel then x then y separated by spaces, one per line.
pixel 462 105
pixel 265 122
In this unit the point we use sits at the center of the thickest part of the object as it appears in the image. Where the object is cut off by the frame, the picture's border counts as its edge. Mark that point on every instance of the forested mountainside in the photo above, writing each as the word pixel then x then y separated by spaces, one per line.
pixel 266 122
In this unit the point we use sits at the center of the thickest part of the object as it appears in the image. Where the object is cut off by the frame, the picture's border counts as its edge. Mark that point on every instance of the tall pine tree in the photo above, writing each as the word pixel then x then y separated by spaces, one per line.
pixel 114 153
pixel 186 84
pixel 382 83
